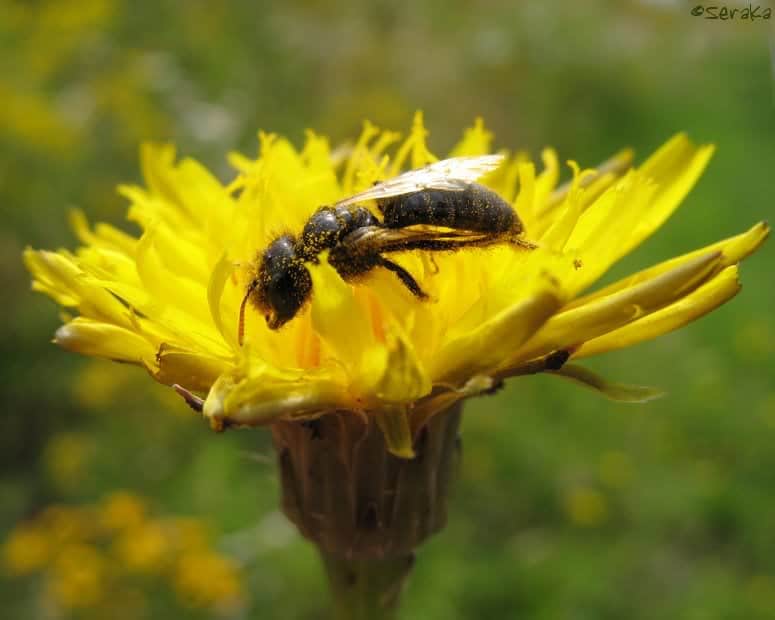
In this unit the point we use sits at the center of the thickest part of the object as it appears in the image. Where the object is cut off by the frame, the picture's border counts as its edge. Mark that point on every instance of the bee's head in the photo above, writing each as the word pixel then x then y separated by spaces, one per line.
pixel 282 284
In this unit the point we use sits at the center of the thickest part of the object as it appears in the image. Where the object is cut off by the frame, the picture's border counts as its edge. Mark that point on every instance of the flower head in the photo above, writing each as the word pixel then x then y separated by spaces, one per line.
pixel 170 299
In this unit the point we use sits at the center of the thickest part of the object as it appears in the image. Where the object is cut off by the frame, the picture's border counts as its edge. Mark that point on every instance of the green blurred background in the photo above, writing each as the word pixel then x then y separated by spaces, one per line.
pixel 569 506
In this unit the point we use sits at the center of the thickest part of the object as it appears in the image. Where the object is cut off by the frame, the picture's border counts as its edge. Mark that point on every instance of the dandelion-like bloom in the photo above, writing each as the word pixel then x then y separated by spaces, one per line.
pixel 170 300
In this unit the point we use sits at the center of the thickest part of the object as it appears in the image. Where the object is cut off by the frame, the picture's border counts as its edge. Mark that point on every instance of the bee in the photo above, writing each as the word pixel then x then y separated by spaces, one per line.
pixel 436 208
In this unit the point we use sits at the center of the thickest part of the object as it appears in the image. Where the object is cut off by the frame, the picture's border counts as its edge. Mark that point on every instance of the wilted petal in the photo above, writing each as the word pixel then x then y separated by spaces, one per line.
pixel 614 391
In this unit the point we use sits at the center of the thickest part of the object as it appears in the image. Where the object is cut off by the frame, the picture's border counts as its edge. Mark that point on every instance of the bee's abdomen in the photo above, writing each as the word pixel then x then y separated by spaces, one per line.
pixel 474 208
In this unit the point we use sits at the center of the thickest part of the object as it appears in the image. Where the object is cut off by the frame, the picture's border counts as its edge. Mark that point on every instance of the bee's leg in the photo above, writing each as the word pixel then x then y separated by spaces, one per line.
pixel 523 243
pixel 440 245
pixel 405 277
pixel 455 244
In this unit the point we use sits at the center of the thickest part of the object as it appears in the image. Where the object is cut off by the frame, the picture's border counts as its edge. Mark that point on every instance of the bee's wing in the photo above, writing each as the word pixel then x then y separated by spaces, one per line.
pixel 375 239
pixel 448 174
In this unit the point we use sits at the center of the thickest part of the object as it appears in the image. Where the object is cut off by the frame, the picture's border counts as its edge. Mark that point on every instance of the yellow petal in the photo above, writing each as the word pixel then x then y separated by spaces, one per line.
pixel 489 345
pixel 202 195
pixel 404 380
pixel 394 424
pixel 675 168
pixel 545 184
pixel 268 394
pixel 706 298
pixel 193 371
pixel 90 337
pixel 157 161
pixel 181 256
pixel 187 298
pixel 360 151
pixel 214 406
pixel 564 222
pixel 630 211
pixel 44 283
pixel 476 141
pixel 104 264
pixel 218 279
pixel 104 235
pixel 59 274
pixel 602 229
pixel 582 323
pixel 602 177
pixel 524 203
pixel 414 145
pixel 342 323
pixel 733 250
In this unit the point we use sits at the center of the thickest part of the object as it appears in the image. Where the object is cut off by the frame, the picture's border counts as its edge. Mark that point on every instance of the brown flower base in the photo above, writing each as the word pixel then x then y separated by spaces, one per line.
pixel 366 509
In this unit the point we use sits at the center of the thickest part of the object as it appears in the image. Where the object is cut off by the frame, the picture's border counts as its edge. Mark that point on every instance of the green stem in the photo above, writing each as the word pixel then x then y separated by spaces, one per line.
pixel 366 589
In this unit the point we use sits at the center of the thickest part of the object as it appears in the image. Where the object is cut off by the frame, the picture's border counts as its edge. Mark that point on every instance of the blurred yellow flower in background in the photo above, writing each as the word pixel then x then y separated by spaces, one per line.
pixel 169 300
pixel 78 576
pixel 122 510
pixel 204 579
pixel 26 551
pixel 90 556
pixel 143 548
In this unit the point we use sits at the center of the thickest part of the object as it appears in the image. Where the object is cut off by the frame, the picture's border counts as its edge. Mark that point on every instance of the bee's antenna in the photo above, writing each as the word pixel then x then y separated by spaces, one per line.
pixel 241 324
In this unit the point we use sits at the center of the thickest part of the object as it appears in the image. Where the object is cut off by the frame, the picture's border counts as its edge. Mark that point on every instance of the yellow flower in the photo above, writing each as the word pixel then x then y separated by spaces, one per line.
pixel 122 511
pixel 144 548
pixel 91 555
pixel 207 579
pixel 26 550
pixel 79 576
pixel 170 300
